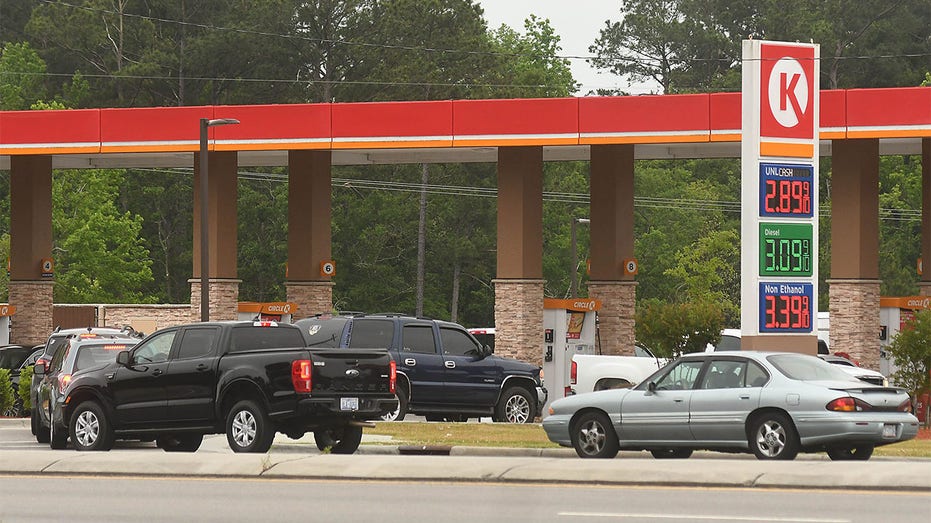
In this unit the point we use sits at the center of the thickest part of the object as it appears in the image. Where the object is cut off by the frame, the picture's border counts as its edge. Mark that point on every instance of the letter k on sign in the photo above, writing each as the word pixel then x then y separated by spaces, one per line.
pixel 788 96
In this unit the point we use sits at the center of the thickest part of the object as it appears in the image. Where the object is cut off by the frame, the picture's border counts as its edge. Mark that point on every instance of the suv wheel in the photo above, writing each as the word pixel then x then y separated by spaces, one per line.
pixel 248 428
pixel 398 413
pixel 90 429
pixel 58 439
pixel 179 442
pixel 38 429
pixel 340 440
pixel 515 406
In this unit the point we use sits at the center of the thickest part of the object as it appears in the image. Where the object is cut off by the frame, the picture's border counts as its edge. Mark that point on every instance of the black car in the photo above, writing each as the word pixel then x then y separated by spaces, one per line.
pixel 78 355
pixel 56 341
pixel 444 373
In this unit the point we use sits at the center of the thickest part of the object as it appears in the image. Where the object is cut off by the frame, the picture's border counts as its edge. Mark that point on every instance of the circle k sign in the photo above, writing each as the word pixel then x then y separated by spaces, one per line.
pixel 788 90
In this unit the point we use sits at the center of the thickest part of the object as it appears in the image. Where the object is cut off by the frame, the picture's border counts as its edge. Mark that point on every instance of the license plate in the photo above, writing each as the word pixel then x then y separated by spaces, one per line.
pixel 349 404
pixel 888 431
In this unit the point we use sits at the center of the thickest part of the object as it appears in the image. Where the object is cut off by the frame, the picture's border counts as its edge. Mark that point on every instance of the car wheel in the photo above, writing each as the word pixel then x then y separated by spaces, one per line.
pixel 773 437
pixel 179 442
pixel 41 431
pixel 89 428
pixel 671 453
pixel 515 406
pixel 594 437
pixel 248 428
pixel 859 453
pixel 398 413
pixel 340 440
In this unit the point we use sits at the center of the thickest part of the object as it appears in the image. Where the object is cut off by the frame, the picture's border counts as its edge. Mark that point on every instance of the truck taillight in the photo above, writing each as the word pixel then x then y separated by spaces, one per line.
pixel 393 377
pixel 574 373
pixel 301 371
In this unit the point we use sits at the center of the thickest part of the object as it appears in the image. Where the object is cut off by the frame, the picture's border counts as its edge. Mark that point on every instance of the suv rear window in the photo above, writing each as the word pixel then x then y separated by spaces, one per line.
pixel 371 333
pixel 259 338
pixel 323 333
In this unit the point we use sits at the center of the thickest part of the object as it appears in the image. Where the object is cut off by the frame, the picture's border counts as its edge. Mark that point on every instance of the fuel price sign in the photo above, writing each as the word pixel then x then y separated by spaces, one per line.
pixel 785 190
pixel 785 307
pixel 786 249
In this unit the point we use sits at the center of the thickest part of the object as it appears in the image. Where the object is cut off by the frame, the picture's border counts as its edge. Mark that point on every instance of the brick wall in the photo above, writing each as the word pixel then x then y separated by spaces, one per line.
pixel 854 306
pixel 224 300
pixel 311 297
pixel 32 323
pixel 519 319
pixel 616 319
pixel 144 318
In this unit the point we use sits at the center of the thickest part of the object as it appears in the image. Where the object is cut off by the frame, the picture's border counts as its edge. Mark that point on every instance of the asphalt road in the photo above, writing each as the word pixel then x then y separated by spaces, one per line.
pixel 95 499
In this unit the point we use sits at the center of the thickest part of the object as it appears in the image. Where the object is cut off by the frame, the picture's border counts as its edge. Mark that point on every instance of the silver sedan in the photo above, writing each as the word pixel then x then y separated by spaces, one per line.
pixel 773 405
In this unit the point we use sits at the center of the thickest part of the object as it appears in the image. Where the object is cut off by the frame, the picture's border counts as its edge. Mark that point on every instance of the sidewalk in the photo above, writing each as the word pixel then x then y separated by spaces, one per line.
pixel 378 459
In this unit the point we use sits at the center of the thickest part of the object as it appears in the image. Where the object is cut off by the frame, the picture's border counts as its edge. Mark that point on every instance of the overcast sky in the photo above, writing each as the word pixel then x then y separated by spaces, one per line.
pixel 577 22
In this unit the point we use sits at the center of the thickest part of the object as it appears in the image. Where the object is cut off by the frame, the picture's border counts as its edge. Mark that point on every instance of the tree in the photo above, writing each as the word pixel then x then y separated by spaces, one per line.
pixel 673 329
pixel 6 391
pixel 911 352
pixel 531 62
pixel 99 254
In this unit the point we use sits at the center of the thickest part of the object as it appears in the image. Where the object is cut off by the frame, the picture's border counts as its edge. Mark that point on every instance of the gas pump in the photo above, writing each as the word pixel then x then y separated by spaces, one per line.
pixel 569 328
pixel 893 313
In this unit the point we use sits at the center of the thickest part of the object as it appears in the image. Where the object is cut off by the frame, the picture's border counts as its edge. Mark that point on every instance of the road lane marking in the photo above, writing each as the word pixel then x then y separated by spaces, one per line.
pixel 620 515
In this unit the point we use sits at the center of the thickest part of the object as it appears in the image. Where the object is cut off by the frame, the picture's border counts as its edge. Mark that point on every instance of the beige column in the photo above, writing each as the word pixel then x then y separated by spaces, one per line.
pixel 519 282
pixel 612 242
pixel 309 234
pixel 854 283
pixel 30 242
pixel 222 230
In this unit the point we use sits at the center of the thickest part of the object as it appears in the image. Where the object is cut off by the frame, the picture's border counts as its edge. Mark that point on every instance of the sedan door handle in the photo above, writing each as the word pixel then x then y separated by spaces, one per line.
pixel 157 372
pixel 202 367
pixel 677 400
pixel 410 361
pixel 450 364
pixel 744 396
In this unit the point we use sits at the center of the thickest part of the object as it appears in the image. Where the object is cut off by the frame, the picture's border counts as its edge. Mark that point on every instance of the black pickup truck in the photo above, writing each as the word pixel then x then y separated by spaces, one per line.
pixel 444 373
pixel 247 379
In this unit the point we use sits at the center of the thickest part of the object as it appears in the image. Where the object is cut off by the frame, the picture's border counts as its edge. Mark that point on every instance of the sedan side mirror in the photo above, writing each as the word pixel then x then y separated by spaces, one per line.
pixel 38 369
pixel 651 386
pixel 123 358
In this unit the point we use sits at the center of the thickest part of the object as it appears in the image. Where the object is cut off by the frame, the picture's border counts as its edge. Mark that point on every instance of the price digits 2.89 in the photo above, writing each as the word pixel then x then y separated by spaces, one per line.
pixel 788 197
pixel 788 312
pixel 788 255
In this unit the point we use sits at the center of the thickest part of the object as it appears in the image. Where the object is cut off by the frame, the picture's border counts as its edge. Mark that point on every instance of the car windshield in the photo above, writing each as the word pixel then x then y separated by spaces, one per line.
pixel 93 355
pixel 807 368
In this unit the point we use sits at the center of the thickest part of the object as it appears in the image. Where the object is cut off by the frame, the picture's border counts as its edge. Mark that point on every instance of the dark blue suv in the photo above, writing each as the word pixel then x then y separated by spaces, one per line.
pixel 444 373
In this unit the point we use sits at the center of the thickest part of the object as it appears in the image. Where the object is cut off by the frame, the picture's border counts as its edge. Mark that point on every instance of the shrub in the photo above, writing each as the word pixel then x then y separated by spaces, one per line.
pixel 6 391
pixel 911 351
pixel 25 383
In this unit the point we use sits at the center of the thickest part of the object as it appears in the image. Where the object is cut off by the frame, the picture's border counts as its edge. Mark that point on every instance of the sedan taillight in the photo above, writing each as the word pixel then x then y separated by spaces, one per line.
pixel 848 404
pixel 301 371
pixel 906 406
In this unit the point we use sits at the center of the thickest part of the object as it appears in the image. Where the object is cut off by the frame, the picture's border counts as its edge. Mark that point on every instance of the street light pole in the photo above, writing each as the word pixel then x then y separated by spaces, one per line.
pixel 206 123
pixel 574 269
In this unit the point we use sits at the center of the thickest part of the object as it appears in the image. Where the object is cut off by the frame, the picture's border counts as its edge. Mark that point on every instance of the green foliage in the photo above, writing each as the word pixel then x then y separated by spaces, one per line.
pixel 709 272
pixel 25 383
pixel 533 61
pixel 21 80
pixel 100 257
pixel 911 351
pixel 672 329
pixel 263 239
pixel 4 277
pixel 6 391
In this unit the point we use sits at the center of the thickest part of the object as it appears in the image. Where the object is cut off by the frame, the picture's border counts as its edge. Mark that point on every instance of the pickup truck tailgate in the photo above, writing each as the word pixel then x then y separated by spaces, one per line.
pixel 357 371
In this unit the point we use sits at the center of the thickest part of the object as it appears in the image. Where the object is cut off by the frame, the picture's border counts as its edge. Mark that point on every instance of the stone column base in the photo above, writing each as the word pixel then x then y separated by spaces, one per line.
pixel 519 319
pixel 616 319
pixel 223 299
pixel 854 307
pixel 311 297
pixel 32 323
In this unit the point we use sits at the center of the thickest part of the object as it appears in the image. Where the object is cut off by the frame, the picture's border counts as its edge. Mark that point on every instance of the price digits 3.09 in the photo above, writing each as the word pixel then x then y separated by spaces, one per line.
pixel 787 255
pixel 787 312
pixel 788 197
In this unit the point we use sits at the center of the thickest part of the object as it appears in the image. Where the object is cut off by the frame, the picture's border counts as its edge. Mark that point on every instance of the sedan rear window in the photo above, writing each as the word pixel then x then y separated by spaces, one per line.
pixel 808 368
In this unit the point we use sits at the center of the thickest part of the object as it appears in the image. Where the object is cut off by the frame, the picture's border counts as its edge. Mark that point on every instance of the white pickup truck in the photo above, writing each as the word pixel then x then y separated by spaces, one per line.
pixel 591 372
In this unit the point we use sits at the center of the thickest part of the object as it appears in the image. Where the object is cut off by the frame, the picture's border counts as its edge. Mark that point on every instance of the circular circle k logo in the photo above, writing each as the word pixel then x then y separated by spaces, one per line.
pixel 788 92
